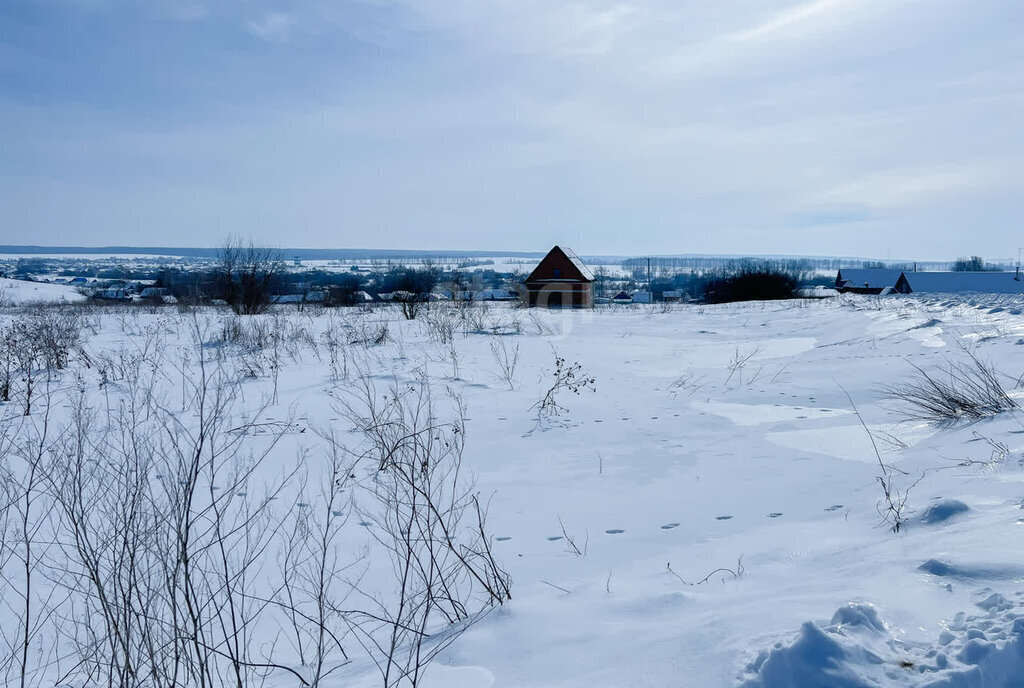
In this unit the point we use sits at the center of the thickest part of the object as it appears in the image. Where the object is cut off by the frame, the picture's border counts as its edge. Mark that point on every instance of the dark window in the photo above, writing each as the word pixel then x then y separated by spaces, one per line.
pixel 558 273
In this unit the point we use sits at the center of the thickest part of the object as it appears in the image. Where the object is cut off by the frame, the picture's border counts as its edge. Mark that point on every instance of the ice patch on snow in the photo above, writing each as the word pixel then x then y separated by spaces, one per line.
pixel 843 442
pixel 756 414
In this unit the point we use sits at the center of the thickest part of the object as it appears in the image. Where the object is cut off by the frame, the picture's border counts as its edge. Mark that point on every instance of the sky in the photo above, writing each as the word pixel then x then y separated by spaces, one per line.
pixel 876 128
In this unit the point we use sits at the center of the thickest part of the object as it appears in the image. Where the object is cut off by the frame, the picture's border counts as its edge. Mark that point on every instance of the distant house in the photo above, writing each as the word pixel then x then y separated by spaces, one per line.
pixel 676 295
pixel 305 297
pixel 642 297
pixel 960 282
pixel 622 297
pixel 561 280
pixel 866 281
pixel 494 295
pixel 153 293
pixel 114 294
pixel 816 292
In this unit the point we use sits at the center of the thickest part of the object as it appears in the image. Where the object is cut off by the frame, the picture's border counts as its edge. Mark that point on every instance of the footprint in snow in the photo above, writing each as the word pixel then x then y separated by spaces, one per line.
pixel 503 538
pixel 722 518
pixel 553 538
pixel 834 507
pixel 670 526
pixel 365 524
pixel 775 514
pixel 615 531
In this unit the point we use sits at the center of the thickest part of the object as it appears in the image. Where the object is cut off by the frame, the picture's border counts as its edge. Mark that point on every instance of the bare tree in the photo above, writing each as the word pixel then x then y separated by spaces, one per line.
pixel 245 275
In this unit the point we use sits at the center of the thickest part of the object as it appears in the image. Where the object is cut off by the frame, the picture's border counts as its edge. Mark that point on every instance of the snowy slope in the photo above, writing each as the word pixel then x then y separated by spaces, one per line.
pixel 18 292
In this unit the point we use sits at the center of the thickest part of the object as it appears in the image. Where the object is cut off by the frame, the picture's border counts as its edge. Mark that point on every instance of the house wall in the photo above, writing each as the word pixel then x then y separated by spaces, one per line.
pixel 560 294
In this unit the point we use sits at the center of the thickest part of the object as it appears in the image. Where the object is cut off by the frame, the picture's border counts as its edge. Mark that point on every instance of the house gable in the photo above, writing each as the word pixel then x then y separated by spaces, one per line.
pixel 560 265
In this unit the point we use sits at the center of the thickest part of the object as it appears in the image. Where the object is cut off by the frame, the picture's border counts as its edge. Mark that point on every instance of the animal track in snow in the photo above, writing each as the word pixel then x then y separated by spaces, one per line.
pixel 615 531
pixel 670 526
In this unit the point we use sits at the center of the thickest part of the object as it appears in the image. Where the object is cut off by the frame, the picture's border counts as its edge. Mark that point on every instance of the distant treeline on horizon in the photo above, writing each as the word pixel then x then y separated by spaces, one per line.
pixel 658 261
pixel 288 253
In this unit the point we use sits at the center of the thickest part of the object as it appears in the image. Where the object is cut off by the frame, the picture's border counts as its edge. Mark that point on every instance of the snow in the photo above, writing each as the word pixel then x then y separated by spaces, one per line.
pixel 719 438
pixel 857 650
pixel 18 292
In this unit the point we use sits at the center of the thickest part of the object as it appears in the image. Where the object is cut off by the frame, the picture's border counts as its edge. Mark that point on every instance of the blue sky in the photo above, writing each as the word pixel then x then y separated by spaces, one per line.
pixel 883 128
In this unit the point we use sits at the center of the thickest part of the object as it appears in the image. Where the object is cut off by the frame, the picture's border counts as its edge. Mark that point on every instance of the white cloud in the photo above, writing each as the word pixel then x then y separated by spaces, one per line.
pixel 907 186
pixel 813 13
pixel 275 27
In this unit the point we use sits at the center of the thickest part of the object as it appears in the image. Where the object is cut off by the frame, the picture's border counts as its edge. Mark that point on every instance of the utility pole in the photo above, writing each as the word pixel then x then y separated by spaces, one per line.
pixel 650 294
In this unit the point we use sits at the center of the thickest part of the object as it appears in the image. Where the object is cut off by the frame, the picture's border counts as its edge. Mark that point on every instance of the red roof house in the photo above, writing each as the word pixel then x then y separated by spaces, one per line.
pixel 561 280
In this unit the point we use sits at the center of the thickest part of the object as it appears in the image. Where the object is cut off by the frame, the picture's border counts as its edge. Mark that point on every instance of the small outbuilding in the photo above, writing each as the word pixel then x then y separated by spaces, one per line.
pixel 560 280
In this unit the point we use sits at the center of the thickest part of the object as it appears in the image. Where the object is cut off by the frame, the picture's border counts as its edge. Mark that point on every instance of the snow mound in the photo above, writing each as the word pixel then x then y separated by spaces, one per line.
pixel 943 510
pixel 945 569
pixel 857 650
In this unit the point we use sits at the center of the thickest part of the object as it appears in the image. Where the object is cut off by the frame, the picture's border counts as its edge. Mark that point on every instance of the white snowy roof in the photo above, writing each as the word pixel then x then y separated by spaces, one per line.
pixel 580 265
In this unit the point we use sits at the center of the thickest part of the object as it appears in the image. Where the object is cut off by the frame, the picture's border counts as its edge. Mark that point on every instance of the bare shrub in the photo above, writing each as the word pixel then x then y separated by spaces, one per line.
pixel 441 324
pixel 739 361
pixel 314 589
pixel 568 377
pixel 369 333
pixel 334 339
pixel 430 523
pixel 507 358
pixel 35 346
pixel 961 391
pixel 892 508
pixel 25 543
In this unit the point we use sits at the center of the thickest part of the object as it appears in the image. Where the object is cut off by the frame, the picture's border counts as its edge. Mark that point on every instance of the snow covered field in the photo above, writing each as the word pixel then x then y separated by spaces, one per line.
pixel 706 515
